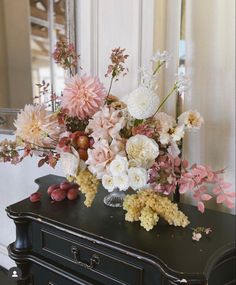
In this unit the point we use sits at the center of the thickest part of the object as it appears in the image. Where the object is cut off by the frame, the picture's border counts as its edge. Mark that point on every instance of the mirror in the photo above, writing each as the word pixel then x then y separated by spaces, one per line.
pixel 29 30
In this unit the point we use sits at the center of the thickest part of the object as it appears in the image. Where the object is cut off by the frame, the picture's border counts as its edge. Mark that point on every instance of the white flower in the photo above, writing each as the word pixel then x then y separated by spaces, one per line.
pixel 148 80
pixel 191 119
pixel 142 103
pixel 119 165
pixel 107 182
pixel 196 236
pixel 164 138
pixel 161 57
pixel 70 163
pixel 182 83
pixel 137 177
pixel 165 122
pixel 173 149
pixel 121 182
pixel 142 151
pixel 178 133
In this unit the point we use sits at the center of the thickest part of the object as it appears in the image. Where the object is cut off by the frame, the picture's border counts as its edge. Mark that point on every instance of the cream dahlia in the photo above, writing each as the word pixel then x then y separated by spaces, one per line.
pixel 83 96
pixel 142 151
pixel 37 126
pixel 142 103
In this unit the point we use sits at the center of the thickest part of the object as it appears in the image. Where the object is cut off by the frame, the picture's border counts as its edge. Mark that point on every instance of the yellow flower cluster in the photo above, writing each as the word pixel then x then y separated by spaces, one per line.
pixel 147 205
pixel 88 185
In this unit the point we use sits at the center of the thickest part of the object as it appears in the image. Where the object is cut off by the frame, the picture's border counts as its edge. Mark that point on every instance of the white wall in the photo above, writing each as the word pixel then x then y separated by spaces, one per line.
pixel 16 183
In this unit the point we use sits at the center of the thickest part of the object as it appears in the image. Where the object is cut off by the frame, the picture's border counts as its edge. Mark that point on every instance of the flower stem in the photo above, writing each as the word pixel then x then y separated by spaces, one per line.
pixel 158 67
pixel 165 99
pixel 112 78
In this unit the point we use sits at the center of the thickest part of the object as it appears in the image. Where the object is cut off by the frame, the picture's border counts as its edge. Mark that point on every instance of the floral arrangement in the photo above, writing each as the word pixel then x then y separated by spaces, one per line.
pixel 127 143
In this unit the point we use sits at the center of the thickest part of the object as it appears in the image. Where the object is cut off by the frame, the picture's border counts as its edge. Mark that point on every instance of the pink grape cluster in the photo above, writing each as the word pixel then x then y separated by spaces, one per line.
pixel 59 192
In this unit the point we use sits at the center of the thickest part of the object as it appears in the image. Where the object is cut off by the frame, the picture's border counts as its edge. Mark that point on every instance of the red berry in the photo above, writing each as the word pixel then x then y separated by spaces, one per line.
pixel 65 185
pixel 35 197
pixel 83 142
pixel 91 142
pixel 52 187
pixel 58 195
pixel 72 194
pixel 75 135
pixel 83 154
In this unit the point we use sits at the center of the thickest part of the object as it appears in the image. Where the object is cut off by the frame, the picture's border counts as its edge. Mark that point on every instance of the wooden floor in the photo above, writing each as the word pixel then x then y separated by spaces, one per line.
pixel 4 279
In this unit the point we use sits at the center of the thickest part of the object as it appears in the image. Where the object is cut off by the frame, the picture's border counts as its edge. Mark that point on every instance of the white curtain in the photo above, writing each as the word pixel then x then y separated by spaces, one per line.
pixel 210 59
pixel 210 40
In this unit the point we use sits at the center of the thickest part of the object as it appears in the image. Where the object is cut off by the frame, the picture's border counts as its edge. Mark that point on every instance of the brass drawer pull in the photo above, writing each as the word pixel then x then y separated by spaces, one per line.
pixel 94 259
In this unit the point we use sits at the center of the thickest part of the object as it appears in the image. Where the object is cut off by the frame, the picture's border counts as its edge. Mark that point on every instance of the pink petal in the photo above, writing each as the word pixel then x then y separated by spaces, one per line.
pixel 231 194
pixel 206 197
pixel 220 199
pixel 216 191
pixel 229 203
pixel 201 207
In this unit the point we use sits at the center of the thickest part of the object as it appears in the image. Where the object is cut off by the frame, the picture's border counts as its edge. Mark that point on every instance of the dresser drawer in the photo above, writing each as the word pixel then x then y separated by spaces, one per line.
pixel 85 258
pixel 51 275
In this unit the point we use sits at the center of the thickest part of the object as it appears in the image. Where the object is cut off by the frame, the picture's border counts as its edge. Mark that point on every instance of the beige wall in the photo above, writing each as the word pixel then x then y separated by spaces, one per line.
pixel 3 61
pixel 15 59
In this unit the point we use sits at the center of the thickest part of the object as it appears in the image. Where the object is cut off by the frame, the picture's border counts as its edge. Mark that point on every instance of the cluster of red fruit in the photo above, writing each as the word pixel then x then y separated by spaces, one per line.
pixel 80 141
pixel 59 192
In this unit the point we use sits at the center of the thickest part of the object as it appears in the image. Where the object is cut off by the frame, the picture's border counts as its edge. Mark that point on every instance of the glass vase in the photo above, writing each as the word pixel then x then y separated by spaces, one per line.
pixel 115 198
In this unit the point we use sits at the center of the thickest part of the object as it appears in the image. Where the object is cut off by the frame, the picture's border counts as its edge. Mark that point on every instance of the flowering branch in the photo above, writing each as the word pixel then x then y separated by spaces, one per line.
pixel 116 67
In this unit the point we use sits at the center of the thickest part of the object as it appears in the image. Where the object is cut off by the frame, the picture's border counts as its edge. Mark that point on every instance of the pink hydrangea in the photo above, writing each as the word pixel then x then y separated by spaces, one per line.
pixel 83 96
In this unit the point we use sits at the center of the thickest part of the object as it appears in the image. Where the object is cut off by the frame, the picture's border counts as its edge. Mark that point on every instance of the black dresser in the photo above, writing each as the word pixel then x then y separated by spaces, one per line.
pixel 66 243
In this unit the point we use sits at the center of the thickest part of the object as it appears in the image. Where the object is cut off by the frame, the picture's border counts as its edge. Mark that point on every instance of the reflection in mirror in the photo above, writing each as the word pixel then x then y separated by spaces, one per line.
pixel 29 30
pixel 48 24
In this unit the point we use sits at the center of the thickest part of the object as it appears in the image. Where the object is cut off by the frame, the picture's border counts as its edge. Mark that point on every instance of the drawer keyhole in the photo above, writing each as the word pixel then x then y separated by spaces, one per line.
pixel 94 259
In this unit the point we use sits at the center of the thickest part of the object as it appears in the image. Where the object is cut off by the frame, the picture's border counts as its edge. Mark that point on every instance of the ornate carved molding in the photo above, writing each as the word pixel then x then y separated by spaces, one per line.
pixel 7 117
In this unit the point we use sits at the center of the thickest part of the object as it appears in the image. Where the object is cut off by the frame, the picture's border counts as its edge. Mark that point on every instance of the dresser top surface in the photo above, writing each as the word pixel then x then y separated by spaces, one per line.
pixel 170 246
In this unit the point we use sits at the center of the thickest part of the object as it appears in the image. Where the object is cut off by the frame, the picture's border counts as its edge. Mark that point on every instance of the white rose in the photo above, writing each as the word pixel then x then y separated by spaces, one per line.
pixel 69 163
pixel 142 103
pixel 107 182
pixel 142 151
pixel 119 165
pixel 121 182
pixel 137 177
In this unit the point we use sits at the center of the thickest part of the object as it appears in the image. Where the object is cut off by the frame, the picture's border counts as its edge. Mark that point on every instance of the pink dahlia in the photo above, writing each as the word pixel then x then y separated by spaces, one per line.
pixel 83 96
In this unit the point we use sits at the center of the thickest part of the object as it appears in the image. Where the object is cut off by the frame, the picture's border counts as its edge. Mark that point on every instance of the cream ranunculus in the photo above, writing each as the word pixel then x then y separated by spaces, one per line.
pixel 107 182
pixel 142 151
pixel 119 165
pixel 137 177
pixel 142 103
pixel 121 182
